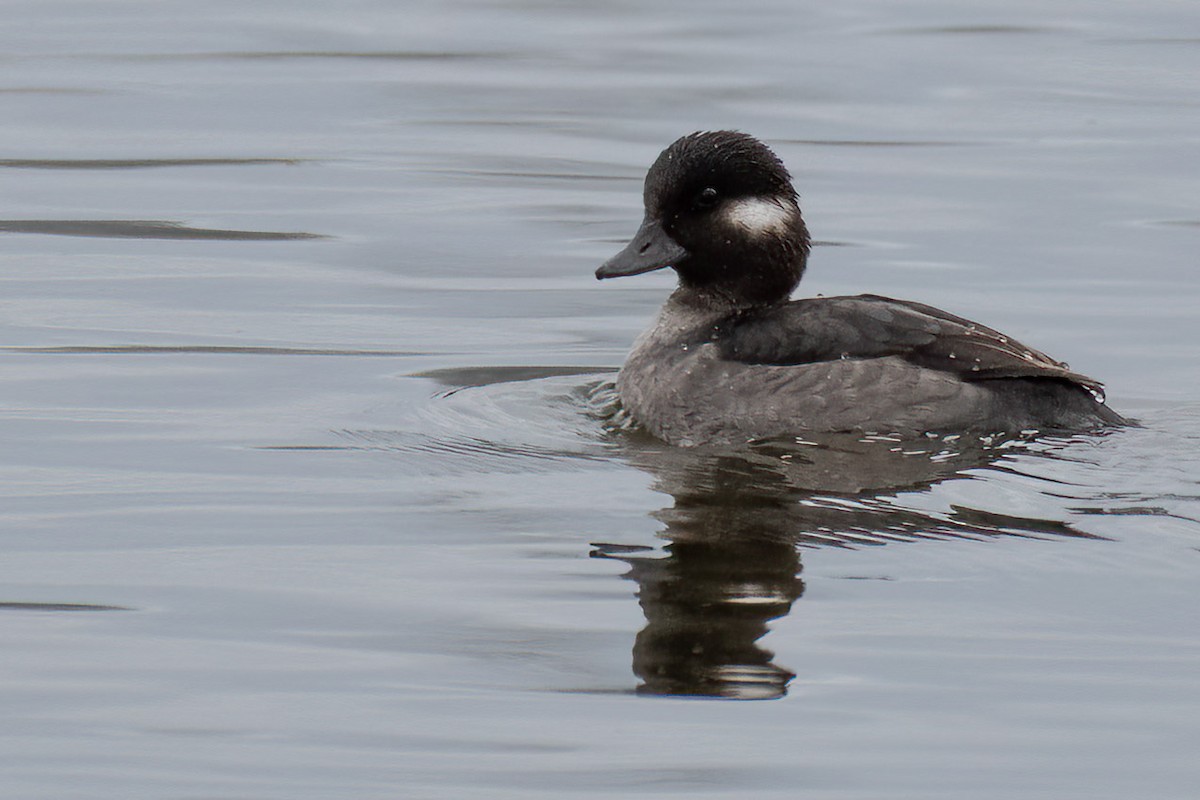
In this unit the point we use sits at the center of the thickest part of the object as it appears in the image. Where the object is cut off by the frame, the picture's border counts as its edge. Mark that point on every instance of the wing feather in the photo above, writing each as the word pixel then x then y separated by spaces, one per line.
pixel 871 326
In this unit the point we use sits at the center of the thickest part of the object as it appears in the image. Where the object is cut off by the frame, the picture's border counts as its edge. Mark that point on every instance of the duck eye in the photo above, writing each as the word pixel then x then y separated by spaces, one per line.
pixel 707 198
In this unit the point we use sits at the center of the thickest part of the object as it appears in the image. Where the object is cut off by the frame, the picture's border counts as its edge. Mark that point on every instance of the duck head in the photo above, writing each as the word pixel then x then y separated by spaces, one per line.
pixel 722 212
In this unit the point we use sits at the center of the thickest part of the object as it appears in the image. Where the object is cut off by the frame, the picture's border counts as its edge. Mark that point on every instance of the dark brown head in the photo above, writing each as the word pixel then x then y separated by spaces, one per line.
pixel 720 210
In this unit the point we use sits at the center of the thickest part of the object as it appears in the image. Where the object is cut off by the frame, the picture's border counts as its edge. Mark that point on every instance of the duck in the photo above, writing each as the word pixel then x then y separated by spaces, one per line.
pixel 732 358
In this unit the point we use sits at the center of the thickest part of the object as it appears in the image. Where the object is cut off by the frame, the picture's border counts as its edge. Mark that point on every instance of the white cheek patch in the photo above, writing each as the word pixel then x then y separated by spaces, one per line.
pixel 757 215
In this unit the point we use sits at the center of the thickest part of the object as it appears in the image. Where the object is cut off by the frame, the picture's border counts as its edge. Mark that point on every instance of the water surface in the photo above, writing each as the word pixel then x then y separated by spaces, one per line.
pixel 310 487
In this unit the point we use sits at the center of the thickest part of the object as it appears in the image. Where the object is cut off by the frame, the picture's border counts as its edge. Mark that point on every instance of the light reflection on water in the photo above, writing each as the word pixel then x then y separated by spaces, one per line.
pixel 735 531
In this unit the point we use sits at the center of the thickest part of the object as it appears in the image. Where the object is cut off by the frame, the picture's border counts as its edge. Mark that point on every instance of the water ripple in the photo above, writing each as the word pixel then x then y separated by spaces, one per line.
pixel 143 229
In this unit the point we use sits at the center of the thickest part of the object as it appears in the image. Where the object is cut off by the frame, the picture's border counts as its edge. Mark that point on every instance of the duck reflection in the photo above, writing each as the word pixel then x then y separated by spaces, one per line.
pixel 734 532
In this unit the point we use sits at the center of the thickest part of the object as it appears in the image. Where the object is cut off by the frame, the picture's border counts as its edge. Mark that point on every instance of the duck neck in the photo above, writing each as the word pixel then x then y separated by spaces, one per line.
pixel 730 289
pixel 746 275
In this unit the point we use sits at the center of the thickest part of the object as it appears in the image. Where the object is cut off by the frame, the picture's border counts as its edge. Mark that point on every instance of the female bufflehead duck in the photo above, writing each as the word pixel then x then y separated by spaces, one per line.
pixel 731 358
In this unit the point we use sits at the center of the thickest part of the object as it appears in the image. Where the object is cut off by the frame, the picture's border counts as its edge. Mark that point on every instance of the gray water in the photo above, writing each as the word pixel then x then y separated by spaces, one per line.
pixel 307 487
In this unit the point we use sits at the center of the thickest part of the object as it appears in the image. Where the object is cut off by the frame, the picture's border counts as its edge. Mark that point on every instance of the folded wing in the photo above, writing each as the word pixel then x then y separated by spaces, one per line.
pixel 869 326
